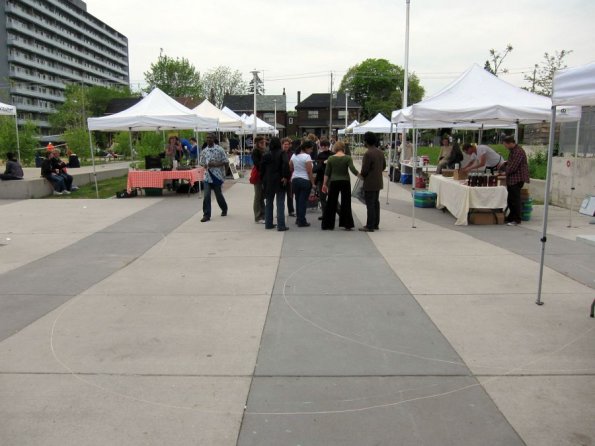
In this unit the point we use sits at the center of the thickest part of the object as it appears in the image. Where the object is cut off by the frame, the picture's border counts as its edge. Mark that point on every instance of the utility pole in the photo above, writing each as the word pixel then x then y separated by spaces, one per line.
pixel 255 87
pixel 330 110
pixel 346 109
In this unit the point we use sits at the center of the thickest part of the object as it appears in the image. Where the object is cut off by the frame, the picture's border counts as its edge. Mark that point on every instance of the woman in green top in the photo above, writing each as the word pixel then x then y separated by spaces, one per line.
pixel 336 181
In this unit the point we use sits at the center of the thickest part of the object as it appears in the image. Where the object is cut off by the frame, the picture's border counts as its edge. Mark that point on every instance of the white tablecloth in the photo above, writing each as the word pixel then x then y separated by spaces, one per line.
pixel 459 198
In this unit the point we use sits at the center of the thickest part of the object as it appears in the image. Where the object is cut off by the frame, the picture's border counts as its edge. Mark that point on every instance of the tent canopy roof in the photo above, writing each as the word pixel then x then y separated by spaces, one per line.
pixel 224 121
pixel 6 109
pixel 479 96
pixel 575 86
pixel 378 124
pixel 156 111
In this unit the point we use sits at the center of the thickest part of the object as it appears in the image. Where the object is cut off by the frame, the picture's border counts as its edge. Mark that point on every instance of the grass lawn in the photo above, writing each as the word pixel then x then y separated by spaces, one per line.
pixel 107 189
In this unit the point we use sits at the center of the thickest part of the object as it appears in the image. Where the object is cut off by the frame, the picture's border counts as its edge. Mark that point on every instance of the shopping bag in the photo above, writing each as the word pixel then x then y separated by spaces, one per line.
pixel 358 190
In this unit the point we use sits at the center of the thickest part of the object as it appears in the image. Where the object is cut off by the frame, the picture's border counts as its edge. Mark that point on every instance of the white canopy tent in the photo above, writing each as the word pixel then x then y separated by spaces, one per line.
pixel 378 124
pixel 225 122
pixel 156 111
pixel 11 110
pixel 571 87
pixel 478 96
pixel 350 127
pixel 261 126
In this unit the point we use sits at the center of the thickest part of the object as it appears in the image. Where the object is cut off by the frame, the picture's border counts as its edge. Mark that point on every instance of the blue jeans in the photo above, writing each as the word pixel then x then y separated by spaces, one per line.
pixel 57 181
pixel 301 190
pixel 268 209
pixel 206 202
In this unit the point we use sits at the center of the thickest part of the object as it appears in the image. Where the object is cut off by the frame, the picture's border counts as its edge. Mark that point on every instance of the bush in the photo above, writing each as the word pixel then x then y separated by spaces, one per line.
pixel 538 165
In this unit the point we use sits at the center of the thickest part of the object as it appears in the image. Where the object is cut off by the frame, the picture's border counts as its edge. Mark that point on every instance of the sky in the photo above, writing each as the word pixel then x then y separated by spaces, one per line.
pixel 297 44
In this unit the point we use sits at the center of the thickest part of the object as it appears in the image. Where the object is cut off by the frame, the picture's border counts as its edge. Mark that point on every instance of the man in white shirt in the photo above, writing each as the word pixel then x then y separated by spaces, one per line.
pixel 485 158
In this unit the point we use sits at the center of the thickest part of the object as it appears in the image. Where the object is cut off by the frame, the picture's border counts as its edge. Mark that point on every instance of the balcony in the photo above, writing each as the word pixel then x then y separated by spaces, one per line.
pixel 35 93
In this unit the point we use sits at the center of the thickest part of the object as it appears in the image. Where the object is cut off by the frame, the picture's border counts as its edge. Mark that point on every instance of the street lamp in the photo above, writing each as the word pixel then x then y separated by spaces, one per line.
pixel 346 95
pixel 275 119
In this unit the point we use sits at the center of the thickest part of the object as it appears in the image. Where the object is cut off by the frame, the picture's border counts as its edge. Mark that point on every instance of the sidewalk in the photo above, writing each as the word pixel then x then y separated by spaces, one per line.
pixel 129 322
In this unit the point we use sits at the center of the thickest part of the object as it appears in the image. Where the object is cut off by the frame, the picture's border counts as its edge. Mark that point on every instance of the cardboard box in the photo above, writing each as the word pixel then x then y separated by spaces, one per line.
pixel 459 175
pixel 485 217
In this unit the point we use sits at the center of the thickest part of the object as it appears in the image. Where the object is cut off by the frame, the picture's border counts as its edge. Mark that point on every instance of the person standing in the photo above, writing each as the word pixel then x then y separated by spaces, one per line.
pixel 517 174
pixel 302 180
pixel 485 158
pixel 321 158
pixel 257 154
pixel 286 144
pixel 275 177
pixel 214 160
pixel 13 170
pixel 336 181
pixel 373 164
pixel 444 156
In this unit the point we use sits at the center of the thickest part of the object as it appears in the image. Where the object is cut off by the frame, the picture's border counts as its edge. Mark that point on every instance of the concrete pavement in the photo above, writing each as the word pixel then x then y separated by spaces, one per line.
pixel 129 322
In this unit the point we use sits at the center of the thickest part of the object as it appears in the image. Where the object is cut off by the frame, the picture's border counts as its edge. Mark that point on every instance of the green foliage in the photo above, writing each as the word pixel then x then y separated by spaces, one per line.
pixel 542 76
pixel 27 138
pixel 495 61
pixel 538 165
pixel 377 85
pixel 175 77
pixel 150 143
pixel 122 143
pixel 77 140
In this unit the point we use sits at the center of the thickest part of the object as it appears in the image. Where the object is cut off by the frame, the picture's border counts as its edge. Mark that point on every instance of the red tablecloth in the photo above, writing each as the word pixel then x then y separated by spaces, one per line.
pixel 155 178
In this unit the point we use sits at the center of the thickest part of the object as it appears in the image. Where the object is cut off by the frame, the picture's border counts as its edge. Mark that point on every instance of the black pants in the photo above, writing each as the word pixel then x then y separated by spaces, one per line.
pixel 514 202
pixel 342 187
pixel 373 207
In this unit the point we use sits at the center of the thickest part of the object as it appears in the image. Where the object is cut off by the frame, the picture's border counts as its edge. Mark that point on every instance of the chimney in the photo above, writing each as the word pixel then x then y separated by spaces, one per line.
pixel 283 91
pixel 299 97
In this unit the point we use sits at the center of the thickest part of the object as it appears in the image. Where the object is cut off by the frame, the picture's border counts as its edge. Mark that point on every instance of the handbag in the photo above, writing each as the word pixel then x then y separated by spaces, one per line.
pixel 254 175
pixel 358 190
pixel 215 180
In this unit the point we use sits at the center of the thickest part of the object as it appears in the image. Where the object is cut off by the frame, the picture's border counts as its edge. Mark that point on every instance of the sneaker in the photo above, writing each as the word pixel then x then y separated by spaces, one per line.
pixel 224 214
pixel 260 222
pixel 512 223
pixel 365 229
pixel 202 220
pixel 283 229
pixel 74 189
pixel 66 192
pixel 57 192
pixel 292 214
pixel 304 225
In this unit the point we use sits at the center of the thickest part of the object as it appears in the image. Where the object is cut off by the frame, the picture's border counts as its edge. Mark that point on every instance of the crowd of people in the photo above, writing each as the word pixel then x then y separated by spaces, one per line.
pixel 305 171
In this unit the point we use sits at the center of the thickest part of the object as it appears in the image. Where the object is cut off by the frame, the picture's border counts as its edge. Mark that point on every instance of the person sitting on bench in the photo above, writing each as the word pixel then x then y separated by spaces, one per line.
pixel 13 171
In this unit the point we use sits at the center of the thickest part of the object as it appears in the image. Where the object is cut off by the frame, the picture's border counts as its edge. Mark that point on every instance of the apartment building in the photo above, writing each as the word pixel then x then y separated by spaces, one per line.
pixel 46 45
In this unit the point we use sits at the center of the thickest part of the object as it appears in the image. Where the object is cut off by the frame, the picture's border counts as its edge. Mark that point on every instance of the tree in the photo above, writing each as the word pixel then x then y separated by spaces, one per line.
pixel 28 141
pixel 259 85
pixel 543 74
pixel 376 84
pixel 221 81
pixel 494 63
pixel 175 77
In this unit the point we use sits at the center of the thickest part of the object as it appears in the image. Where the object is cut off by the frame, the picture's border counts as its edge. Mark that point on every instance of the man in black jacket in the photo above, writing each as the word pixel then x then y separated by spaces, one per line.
pixel 373 164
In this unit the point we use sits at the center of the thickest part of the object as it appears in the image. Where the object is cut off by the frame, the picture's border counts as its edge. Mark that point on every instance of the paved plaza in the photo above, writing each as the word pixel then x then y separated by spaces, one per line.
pixel 130 322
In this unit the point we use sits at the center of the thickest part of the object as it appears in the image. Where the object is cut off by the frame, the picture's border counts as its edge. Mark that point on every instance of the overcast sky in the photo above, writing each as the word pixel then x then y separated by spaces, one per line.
pixel 296 44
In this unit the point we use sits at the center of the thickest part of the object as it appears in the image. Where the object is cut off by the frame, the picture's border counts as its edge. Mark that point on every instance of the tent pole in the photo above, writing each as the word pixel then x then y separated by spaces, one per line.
pixel 413 175
pixel 130 144
pixel 16 126
pixel 572 184
pixel 390 164
pixel 93 163
pixel 546 200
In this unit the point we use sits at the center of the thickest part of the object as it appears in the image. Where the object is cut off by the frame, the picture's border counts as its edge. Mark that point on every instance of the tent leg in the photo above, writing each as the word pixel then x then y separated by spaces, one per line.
pixel 390 163
pixel 93 163
pixel 413 176
pixel 546 200
pixel 16 126
pixel 578 130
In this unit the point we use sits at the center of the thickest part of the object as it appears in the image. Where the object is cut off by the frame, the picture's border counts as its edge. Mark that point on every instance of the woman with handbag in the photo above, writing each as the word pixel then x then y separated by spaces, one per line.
pixel 336 181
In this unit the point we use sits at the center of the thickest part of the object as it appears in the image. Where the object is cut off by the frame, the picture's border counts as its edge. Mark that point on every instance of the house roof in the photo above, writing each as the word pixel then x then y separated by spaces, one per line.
pixel 242 103
pixel 321 100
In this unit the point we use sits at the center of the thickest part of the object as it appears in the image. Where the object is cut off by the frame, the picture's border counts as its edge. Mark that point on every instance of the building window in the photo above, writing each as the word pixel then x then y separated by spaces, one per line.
pixel 269 117
pixel 342 114
pixel 291 120
pixel 312 114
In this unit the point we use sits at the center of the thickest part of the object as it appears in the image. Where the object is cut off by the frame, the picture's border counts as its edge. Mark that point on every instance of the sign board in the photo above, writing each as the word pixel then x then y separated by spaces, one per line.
pixel 234 171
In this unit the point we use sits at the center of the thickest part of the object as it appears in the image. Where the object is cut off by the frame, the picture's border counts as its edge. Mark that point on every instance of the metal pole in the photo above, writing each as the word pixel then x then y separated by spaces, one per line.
pixel 413 175
pixel 548 181
pixel 346 110
pixel 93 163
pixel 578 130
pixel 255 81
pixel 275 121
pixel 330 110
pixel 16 126
pixel 390 164
pixel 406 74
